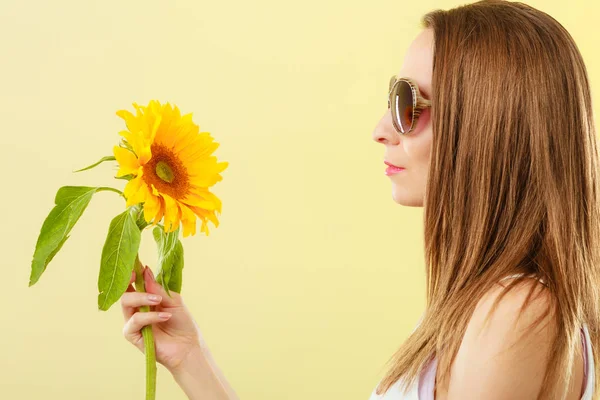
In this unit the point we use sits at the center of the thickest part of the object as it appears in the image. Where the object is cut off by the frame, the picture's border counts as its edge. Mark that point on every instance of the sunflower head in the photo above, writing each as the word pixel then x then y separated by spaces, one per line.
pixel 171 165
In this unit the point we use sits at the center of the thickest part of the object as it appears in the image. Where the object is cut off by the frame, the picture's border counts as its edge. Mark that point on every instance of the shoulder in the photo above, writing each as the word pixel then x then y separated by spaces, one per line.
pixel 504 350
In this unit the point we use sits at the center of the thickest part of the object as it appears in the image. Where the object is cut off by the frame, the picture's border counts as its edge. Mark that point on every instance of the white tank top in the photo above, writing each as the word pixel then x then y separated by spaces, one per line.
pixel 423 389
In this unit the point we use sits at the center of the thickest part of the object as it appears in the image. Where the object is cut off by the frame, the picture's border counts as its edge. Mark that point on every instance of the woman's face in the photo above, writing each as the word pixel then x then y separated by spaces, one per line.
pixel 411 151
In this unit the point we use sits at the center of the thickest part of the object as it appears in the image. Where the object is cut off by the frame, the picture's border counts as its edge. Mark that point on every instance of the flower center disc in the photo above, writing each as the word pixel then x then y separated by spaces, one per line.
pixel 164 172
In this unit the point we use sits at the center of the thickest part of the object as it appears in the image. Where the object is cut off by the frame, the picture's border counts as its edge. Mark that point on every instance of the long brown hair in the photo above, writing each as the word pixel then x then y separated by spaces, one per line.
pixel 512 185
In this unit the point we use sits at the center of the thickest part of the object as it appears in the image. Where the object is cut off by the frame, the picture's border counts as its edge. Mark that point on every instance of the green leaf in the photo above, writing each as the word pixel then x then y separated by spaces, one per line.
pixel 70 203
pixel 107 158
pixel 118 257
pixel 176 278
pixel 60 245
pixel 170 259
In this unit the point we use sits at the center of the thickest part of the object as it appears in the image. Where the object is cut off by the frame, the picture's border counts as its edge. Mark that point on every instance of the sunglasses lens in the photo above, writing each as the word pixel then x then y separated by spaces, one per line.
pixel 402 106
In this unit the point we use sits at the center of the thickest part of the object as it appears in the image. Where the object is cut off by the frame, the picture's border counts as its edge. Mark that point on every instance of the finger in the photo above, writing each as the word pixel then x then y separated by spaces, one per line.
pixel 154 287
pixel 132 277
pixel 137 299
pixel 130 301
pixel 133 326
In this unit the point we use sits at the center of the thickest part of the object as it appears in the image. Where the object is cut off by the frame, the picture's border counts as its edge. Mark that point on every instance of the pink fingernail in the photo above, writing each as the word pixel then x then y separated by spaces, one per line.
pixel 164 315
pixel 151 274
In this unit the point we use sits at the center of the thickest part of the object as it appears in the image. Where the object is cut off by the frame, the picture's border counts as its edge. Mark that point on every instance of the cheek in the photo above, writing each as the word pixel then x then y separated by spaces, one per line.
pixel 419 149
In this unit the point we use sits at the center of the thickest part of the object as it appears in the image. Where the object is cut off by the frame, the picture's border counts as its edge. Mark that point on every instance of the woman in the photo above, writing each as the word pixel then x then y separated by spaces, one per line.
pixel 491 120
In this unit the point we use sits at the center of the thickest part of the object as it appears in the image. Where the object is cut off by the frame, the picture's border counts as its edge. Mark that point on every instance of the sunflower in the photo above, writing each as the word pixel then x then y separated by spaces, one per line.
pixel 171 167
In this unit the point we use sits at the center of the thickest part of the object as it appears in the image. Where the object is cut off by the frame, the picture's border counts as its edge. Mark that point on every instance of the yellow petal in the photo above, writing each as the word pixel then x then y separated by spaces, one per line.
pixel 208 196
pixel 164 131
pixel 131 121
pixel 205 173
pixel 155 128
pixel 179 216
pixel 144 153
pixel 213 218
pixel 204 215
pixel 151 207
pixel 184 140
pixel 188 220
pixel 204 227
pixel 161 210
pixel 167 134
pixel 128 163
pixel 141 194
pixel 171 213
pixel 139 145
pixel 195 199
pixel 203 146
pixel 221 166
pixel 131 189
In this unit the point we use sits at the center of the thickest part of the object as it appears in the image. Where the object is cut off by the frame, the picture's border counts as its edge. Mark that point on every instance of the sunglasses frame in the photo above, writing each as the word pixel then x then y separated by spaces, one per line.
pixel 419 103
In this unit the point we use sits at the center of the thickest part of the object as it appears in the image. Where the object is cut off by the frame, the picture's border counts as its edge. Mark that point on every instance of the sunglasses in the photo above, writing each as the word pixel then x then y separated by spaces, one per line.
pixel 406 103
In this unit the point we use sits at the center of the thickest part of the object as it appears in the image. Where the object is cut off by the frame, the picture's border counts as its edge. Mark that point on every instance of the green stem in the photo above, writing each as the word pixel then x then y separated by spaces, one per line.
pixel 111 190
pixel 149 349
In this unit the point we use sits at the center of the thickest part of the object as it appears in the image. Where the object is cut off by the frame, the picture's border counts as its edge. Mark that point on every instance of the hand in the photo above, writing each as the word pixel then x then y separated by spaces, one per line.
pixel 175 337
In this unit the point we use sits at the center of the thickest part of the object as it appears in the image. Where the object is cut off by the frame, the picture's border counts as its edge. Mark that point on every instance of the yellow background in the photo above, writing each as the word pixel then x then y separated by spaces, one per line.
pixel 315 275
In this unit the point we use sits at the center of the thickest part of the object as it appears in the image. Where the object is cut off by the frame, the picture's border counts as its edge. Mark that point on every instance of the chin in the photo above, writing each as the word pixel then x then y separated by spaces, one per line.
pixel 405 197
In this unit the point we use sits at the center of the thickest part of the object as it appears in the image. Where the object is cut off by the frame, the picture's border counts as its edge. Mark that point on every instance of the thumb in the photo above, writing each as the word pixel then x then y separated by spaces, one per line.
pixel 152 286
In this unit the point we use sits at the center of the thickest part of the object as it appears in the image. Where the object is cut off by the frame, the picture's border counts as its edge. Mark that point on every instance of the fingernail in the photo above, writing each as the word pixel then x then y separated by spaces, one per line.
pixel 164 315
pixel 154 297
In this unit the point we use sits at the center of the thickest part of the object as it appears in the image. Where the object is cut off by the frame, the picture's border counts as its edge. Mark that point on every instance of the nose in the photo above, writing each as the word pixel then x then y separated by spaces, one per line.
pixel 385 132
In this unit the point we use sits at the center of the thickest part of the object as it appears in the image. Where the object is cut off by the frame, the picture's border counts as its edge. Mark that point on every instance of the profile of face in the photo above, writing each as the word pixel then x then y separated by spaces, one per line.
pixel 411 151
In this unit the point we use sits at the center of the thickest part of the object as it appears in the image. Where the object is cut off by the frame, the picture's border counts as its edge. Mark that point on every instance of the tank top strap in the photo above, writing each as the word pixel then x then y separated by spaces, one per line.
pixel 589 365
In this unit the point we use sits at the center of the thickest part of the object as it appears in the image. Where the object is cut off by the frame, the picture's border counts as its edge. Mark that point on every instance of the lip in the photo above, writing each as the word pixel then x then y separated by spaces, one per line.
pixel 392 169
pixel 389 164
